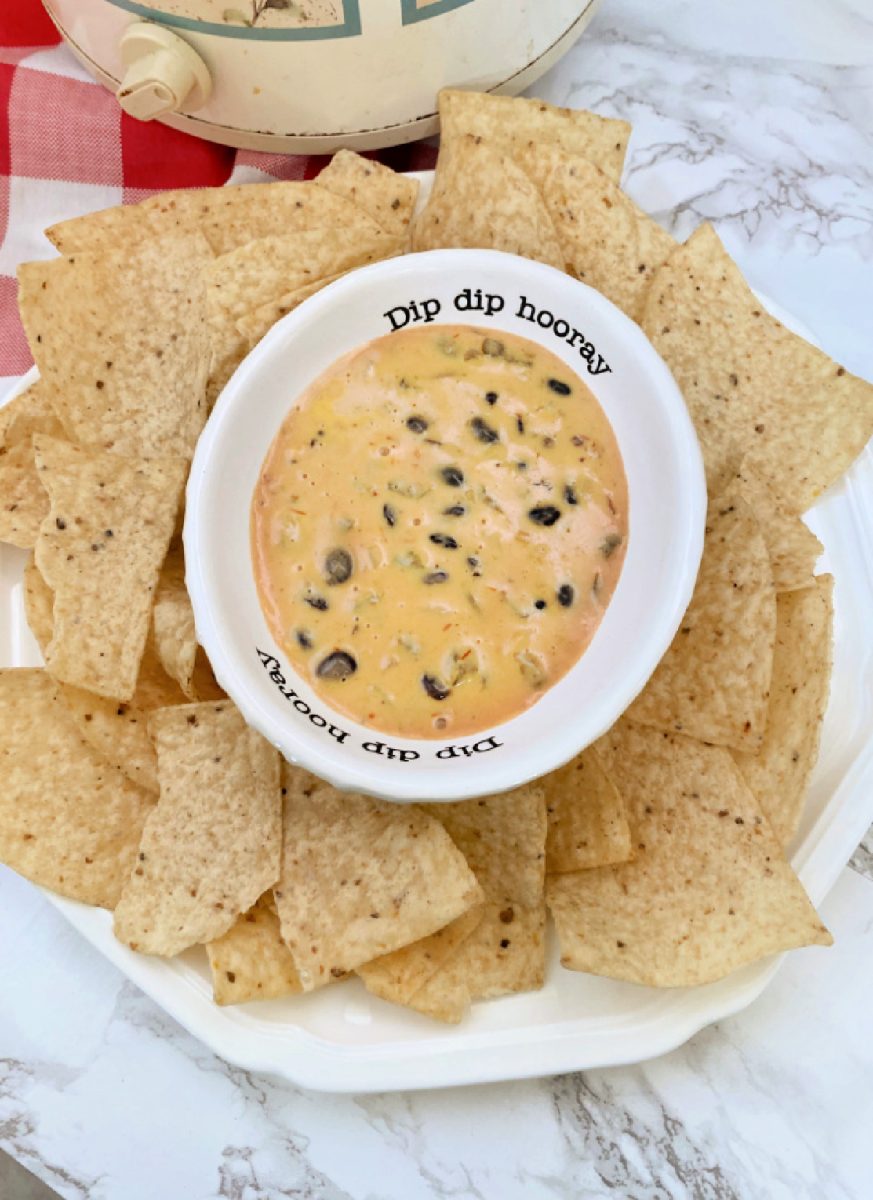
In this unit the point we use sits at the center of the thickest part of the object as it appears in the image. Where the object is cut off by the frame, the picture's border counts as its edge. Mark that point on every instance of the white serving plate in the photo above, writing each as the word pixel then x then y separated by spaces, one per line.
pixel 344 1040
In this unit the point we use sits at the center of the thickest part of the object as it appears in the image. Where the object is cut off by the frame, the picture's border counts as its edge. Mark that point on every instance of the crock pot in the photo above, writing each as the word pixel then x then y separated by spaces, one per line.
pixel 309 76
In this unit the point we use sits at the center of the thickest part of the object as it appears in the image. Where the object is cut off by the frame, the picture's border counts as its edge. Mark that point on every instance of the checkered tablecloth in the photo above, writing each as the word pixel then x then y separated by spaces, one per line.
pixel 66 148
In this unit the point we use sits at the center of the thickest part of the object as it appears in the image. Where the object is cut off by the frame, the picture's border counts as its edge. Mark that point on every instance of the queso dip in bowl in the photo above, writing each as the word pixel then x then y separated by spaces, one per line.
pixel 442 524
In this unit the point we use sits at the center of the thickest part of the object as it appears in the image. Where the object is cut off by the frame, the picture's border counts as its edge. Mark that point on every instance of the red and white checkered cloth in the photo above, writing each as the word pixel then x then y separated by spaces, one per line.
pixel 66 148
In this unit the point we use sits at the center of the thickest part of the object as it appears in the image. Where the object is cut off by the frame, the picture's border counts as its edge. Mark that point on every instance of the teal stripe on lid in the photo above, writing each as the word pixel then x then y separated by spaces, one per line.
pixel 351 26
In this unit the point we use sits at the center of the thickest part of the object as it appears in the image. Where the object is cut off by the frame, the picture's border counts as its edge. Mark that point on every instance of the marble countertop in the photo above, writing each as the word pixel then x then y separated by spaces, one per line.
pixel 759 117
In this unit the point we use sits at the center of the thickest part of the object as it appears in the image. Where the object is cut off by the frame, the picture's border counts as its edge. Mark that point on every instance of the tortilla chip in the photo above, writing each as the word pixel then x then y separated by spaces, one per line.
pixel 607 241
pixel 173 620
pixel 250 961
pixel 174 642
pixel 496 960
pixel 108 229
pixel 254 325
pixel 24 501
pixel 117 731
pixel 793 548
pixel 262 271
pixel 38 604
pixel 801 419
pixel 100 551
pixel 506 953
pixel 516 122
pixel 445 996
pixel 587 821
pixel 239 214
pixel 121 344
pixel 361 878
pixel 481 199
pixel 204 685
pixel 387 197
pixel 708 890
pixel 713 683
pixel 68 821
pixel 226 216
pixel 503 839
pixel 28 413
pixel 778 775
pixel 228 351
pixel 398 976
pixel 212 844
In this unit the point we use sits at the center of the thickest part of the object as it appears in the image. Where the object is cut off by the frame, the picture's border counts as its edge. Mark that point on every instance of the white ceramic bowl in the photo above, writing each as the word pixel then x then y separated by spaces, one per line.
pixel 667 512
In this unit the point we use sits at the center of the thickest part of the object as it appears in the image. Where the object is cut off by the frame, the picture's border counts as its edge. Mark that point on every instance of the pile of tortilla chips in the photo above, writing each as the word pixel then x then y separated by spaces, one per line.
pixel 131 781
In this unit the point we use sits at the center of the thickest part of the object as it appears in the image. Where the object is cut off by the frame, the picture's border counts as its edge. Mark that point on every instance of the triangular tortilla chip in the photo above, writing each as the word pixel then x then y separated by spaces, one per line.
pixel 261 272
pixel 793 548
pixel 399 975
pixel 68 820
pixel 708 890
pixel 250 961
pixel 498 959
pixel 714 680
pixel 254 325
pixel 117 730
pixel 361 878
pixel 483 200
pixel 204 685
pixel 244 212
pixel 38 605
pixel 503 839
pixel 173 620
pixel 779 773
pixel 212 844
pixel 100 550
pixel 226 216
pixel 121 343
pixel 23 500
pixel 587 820
pixel 608 241
pixel 106 229
pixel 514 122
pixel 174 642
pixel 800 418
pixel 506 952
pixel 388 197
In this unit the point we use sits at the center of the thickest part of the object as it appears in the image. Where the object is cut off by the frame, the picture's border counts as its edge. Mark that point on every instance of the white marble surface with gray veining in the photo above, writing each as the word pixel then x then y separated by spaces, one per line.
pixel 757 115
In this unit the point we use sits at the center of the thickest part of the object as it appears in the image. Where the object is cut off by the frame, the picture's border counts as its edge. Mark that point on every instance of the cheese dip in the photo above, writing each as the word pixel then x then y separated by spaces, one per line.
pixel 438 528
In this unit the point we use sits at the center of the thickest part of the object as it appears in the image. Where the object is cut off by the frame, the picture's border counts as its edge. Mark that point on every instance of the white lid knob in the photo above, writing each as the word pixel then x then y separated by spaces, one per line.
pixel 164 74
